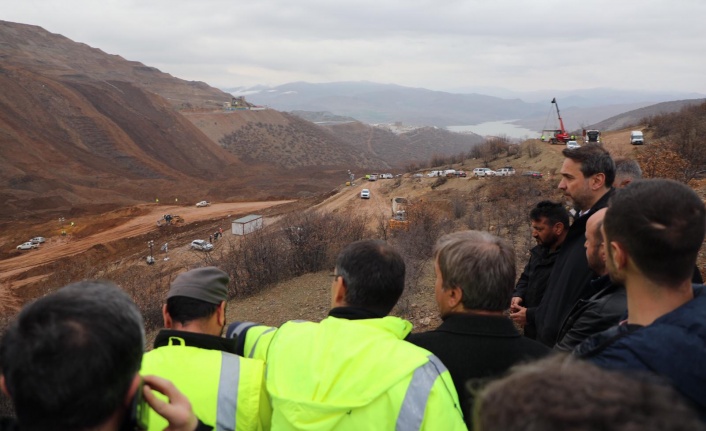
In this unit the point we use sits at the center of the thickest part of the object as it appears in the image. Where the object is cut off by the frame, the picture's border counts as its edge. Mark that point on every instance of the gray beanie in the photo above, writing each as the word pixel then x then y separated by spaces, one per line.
pixel 208 284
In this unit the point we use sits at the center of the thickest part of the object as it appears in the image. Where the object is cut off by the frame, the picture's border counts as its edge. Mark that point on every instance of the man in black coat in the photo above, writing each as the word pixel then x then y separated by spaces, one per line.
pixel 475 275
pixel 587 178
pixel 607 305
pixel 550 224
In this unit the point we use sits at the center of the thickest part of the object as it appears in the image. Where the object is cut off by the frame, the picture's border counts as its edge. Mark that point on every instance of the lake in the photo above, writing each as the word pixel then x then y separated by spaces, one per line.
pixel 497 128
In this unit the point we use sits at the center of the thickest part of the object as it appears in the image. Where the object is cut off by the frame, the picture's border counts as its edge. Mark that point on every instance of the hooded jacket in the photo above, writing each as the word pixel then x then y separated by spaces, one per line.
pixel 673 347
pixel 343 374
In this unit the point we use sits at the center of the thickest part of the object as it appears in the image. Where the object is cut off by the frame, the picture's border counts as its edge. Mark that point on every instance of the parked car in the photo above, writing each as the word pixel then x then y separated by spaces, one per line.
pixel 483 172
pixel 27 246
pixel 533 174
pixel 200 244
pixel 203 204
pixel 365 194
pixel 386 176
pixel 637 138
pixel 572 145
pixel 506 171
pixel 417 175
pixel 373 177
pixel 37 240
pixel 461 174
pixel 433 174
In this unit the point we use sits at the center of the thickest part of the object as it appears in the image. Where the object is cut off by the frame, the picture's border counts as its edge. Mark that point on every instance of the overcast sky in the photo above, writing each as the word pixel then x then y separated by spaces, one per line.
pixel 522 45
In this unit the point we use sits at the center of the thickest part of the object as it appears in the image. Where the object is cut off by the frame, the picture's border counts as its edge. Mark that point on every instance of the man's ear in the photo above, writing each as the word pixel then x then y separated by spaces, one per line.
pixel 597 181
pixel 558 228
pixel 167 318
pixel 620 255
pixel 454 296
pixel 134 387
pixel 221 313
pixel 3 387
pixel 339 293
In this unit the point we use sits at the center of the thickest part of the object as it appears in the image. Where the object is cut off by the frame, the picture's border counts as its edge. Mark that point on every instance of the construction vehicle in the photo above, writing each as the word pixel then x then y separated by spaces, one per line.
pixel 170 219
pixel 557 135
pixel 399 214
pixel 591 136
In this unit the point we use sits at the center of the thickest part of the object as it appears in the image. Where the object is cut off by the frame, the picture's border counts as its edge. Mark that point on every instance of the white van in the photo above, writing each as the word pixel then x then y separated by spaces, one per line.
pixel 636 137
pixel 435 174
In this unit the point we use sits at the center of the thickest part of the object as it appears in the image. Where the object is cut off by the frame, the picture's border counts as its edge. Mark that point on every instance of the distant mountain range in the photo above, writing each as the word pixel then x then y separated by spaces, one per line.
pixel 387 103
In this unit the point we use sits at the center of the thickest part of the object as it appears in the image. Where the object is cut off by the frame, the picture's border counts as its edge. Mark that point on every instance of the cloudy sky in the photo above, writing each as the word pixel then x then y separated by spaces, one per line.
pixel 450 45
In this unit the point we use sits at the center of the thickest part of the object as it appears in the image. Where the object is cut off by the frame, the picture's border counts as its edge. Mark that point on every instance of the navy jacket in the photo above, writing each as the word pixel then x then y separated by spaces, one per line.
pixel 673 346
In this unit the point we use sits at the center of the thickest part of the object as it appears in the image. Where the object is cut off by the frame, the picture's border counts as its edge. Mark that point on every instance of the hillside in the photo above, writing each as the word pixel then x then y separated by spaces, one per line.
pixel 399 149
pixel 82 130
pixel 634 117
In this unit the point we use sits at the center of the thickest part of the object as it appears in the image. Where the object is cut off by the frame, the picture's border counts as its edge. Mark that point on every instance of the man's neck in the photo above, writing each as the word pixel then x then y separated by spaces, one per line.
pixel 596 197
pixel 648 301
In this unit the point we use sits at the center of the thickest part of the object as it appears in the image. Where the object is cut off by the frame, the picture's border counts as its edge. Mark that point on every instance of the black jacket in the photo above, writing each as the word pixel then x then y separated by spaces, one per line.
pixel 569 280
pixel 477 347
pixel 596 314
pixel 533 283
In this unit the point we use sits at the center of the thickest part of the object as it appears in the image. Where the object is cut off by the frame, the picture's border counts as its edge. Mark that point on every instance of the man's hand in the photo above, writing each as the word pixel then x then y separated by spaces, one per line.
pixel 515 304
pixel 177 411
pixel 520 316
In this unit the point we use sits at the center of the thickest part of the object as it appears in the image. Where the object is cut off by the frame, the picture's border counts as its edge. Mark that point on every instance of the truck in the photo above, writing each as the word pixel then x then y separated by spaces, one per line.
pixel 636 137
pixel 591 136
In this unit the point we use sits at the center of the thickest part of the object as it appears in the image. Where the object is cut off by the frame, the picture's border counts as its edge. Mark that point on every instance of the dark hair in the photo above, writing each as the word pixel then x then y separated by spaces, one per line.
pixel 183 309
pixel 479 263
pixel 554 212
pixel 628 168
pixel 69 358
pixel 373 273
pixel 594 159
pixel 563 393
pixel 661 223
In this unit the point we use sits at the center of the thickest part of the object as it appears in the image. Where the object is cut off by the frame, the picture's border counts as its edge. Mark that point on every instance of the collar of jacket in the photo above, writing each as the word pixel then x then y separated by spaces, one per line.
pixel 193 339
pixel 354 313
pixel 478 324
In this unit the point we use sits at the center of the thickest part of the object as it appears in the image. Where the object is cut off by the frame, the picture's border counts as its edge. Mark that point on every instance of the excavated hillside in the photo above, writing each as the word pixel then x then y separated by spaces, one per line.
pixel 70 141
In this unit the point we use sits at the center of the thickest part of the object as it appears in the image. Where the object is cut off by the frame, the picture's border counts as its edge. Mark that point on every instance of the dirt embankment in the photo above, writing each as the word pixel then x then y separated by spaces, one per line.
pixel 101 231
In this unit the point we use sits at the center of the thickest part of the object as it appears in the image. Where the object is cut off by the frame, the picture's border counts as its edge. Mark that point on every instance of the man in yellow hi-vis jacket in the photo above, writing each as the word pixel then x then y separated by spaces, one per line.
pixel 353 370
pixel 225 390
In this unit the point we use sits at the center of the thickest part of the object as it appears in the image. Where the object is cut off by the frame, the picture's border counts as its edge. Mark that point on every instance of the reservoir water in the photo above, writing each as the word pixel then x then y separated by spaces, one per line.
pixel 497 128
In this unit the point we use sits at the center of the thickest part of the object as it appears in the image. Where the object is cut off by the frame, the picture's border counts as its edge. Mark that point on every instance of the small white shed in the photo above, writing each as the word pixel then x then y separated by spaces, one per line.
pixel 246 225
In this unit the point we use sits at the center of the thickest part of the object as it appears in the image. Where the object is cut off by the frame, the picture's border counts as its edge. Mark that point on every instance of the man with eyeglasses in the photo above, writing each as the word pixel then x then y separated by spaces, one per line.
pixel 353 370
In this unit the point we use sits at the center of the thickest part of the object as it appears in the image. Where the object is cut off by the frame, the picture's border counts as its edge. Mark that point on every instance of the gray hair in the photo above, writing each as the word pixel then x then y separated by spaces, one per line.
pixel 628 168
pixel 479 263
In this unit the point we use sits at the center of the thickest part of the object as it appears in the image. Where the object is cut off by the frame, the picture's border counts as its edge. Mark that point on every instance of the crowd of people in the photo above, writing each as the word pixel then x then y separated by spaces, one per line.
pixel 610 309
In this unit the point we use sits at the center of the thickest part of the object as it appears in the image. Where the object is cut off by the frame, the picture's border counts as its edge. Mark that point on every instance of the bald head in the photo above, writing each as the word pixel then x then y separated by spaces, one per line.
pixel 595 252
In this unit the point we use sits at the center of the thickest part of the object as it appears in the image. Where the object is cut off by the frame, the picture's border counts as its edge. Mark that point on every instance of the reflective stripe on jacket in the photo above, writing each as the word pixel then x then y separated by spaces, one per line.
pixel 225 390
pixel 352 375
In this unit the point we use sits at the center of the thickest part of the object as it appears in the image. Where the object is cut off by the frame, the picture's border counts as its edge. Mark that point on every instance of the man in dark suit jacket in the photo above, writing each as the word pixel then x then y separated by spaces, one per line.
pixel 475 277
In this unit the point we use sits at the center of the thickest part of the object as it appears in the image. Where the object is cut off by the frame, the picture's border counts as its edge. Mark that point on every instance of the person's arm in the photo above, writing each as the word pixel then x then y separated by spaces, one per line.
pixel 177 411
pixel 522 282
pixel 253 338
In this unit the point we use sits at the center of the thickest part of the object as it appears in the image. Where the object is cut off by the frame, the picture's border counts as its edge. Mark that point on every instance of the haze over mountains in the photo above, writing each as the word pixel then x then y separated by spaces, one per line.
pixel 385 103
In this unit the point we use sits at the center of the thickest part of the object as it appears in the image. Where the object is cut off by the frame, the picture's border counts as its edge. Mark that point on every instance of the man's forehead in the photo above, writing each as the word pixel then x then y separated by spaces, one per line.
pixel 571 166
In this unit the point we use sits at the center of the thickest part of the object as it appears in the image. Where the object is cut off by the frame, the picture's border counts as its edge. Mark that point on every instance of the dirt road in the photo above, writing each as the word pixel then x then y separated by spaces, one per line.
pixel 59 247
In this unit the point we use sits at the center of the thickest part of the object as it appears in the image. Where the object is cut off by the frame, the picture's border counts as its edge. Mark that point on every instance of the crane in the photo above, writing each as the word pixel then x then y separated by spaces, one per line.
pixel 560 135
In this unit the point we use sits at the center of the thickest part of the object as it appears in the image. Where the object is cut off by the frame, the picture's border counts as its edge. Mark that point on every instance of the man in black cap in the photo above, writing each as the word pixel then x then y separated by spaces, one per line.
pixel 226 390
